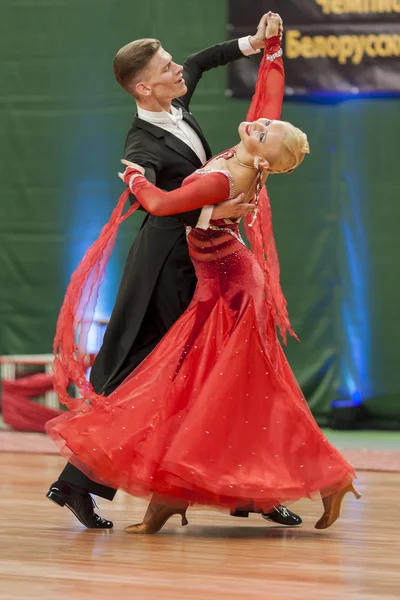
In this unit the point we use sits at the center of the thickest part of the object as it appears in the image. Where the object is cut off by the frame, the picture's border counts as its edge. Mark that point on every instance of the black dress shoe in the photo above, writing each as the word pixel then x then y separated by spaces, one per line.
pixel 283 516
pixel 279 514
pixel 80 503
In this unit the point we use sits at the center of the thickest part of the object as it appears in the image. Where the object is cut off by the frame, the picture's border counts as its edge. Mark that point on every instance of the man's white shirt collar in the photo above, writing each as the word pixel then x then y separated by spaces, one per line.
pixel 161 117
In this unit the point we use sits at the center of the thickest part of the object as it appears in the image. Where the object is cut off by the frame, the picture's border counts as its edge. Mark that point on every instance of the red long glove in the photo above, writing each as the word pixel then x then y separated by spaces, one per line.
pixel 268 97
pixel 208 188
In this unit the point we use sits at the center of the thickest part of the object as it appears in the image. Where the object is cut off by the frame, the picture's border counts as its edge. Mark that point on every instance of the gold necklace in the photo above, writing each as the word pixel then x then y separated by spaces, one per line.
pixel 243 165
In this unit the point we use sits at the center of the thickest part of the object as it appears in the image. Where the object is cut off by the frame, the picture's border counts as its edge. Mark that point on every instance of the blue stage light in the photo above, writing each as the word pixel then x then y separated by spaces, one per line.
pixel 93 206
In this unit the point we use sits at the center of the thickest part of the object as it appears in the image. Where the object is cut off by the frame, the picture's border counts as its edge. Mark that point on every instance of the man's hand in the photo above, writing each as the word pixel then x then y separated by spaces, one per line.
pixel 233 209
pixel 258 40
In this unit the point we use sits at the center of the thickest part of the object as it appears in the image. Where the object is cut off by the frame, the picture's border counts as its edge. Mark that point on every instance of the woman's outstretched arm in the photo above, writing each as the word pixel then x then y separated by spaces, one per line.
pixel 208 188
pixel 268 96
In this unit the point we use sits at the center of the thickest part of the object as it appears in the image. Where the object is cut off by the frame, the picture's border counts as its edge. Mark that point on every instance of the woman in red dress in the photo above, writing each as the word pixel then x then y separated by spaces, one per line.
pixel 214 414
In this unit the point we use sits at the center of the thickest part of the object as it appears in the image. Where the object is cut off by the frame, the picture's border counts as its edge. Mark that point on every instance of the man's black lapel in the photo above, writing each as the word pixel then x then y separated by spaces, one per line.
pixel 189 118
pixel 183 149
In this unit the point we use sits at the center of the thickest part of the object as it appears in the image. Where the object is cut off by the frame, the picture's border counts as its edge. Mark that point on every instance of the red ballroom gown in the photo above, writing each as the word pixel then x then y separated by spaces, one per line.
pixel 214 415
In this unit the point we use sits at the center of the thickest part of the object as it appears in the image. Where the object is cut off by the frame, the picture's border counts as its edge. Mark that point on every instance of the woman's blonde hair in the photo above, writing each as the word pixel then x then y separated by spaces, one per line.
pixel 294 148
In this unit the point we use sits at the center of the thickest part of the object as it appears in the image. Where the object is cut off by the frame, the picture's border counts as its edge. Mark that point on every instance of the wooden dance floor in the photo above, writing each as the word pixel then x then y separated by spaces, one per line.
pixel 45 553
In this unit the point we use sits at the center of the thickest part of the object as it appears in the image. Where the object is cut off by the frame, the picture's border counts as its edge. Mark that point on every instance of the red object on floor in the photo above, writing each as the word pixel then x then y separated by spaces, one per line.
pixel 21 412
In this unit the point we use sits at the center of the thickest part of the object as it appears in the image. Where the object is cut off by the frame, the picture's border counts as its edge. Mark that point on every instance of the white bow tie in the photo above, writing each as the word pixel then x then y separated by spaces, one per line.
pixel 177 116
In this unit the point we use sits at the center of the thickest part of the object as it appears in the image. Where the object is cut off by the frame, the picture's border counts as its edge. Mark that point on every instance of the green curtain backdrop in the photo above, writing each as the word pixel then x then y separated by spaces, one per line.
pixel 62 130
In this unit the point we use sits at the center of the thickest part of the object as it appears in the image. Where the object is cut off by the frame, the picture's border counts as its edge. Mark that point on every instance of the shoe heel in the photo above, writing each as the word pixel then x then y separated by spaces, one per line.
pixel 184 519
pixel 56 498
pixel 354 491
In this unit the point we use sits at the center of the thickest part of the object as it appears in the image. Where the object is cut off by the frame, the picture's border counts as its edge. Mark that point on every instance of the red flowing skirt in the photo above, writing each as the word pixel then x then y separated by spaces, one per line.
pixel 214 414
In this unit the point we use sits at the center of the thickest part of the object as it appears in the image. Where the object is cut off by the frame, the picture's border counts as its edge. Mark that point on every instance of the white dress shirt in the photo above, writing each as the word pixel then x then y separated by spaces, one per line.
pixel 174 123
